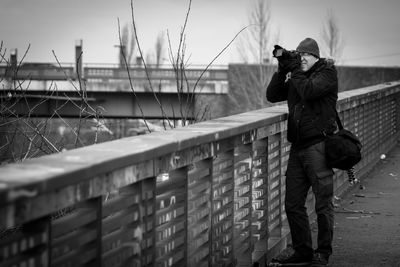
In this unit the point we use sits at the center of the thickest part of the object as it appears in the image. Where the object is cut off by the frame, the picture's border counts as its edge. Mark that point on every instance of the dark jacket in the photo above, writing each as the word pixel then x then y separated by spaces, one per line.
pixel 311 98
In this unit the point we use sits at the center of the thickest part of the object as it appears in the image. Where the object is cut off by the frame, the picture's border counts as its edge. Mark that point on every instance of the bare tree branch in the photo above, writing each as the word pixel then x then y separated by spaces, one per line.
pixel 145 65
pixel 255 48
pixel 130 83
pixel 333 42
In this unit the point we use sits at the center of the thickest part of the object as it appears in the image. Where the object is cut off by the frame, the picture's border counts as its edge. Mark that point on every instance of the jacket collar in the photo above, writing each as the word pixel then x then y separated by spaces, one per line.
pixel 322 62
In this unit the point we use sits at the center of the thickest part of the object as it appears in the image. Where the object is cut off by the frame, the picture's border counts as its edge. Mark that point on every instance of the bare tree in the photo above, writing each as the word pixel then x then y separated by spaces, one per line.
pixel 160 46
pixel 255 49
pixel 127 45
pixel 24 135
pixel 255 44
pixel 333 42
pixel 154 57
pixel 186 88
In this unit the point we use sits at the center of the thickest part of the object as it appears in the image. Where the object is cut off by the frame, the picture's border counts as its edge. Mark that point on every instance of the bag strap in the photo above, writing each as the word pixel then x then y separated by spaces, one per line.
pixel 338 121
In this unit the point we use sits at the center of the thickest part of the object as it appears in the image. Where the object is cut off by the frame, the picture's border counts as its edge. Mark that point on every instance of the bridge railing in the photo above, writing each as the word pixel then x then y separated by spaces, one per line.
pixel 53 71
pixel 210 194
pixel 102 78
pixel 154 73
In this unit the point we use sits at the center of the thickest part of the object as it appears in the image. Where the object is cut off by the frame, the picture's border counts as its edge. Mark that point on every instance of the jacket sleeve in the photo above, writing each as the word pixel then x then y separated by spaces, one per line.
pixel 277 89
pixel 316 86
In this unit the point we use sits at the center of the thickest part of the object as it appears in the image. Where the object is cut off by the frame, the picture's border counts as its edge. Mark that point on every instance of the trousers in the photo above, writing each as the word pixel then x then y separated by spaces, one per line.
pixel 307 168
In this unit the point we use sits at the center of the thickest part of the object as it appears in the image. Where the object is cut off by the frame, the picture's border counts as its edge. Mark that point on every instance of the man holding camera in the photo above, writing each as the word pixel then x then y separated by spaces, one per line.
pixel 309 84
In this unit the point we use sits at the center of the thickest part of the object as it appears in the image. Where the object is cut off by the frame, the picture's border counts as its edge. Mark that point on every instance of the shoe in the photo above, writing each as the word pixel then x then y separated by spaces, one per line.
pixel 295 259
pixel 319 260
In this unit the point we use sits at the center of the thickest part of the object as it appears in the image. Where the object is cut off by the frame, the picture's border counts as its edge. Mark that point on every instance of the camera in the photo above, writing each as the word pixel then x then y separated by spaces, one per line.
pixel 288 60
pixel 280 52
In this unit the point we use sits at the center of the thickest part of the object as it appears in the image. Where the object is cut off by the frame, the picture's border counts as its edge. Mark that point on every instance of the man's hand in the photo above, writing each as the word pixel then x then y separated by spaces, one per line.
pixel 289 62
pixel 293 64
pixel 288 76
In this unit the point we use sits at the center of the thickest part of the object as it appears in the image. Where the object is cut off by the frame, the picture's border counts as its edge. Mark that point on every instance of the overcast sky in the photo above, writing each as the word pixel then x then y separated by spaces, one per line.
pixel 370 27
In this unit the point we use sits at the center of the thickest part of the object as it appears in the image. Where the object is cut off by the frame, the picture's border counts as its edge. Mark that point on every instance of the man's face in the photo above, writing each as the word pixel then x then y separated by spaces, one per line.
pixel 307 61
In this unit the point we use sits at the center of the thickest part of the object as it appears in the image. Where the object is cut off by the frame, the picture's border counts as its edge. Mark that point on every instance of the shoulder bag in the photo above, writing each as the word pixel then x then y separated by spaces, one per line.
pixel 342 148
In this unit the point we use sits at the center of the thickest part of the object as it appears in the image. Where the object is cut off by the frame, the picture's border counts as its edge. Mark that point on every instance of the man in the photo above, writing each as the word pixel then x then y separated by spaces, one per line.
pixel 309 84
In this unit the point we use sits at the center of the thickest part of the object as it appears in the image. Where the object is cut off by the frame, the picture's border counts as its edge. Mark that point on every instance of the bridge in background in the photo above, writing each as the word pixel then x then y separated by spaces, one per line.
pixel 209 194
pixel 120 91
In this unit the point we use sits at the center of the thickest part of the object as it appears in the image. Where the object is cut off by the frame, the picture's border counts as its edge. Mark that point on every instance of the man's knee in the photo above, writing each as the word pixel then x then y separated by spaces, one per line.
pixel 293 206
pixel 324 206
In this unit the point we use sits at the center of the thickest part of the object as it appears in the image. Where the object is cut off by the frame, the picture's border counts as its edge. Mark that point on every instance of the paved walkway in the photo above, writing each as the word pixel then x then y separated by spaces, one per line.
pixel 367 219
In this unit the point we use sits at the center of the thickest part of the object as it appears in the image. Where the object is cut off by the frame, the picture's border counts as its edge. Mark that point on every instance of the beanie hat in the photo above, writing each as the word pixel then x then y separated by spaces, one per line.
pixel 308 45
